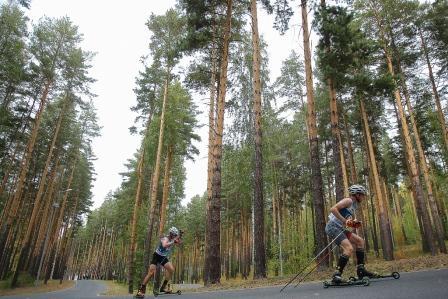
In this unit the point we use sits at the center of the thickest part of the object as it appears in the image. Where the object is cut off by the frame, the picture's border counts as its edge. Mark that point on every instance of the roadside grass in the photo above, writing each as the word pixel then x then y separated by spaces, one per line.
pixel 115 288
pixel 380 266
pixel 26 286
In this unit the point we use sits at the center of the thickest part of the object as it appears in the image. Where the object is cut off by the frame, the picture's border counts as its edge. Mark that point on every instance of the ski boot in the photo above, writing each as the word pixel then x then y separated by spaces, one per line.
pixel 337 277
pixel 362 272
pixel 165 289
pixel 141 292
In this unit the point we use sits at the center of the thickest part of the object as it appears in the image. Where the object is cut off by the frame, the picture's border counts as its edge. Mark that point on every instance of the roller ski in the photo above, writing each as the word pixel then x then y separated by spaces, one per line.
pixel 337 281
pixel 141 292
pixel 165 290
pixel 178 292
pixel 345 283
pixel 361 272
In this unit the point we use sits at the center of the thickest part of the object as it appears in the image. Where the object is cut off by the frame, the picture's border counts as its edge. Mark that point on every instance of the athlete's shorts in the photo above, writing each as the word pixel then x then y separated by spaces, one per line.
pixel 334 232
pixel 158 259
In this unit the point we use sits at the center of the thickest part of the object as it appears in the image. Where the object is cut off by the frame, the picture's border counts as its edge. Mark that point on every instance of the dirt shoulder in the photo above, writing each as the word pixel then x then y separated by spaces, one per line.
pixel 374 265
pixel 51 286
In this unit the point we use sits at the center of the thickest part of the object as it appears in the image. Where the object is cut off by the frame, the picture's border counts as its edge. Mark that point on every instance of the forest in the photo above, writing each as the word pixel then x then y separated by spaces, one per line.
pixel 361 100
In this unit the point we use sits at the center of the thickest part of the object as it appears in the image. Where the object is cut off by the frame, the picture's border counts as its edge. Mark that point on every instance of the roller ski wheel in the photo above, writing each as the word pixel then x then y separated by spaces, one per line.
pixel 139 296
pixel 345 283
pixel 140 293
pixel 178 292
pixel 394 275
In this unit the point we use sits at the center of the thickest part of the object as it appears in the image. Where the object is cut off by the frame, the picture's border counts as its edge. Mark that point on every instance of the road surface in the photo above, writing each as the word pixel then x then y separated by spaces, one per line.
pixel 424 284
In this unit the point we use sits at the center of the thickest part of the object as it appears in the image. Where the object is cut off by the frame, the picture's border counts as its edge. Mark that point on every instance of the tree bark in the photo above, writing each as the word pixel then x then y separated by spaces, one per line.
pixel 436 95
pixel 212 268
pixel 409 148
pixel 156 174
pixel 386 240
pixel 260 251
pixel 316 173
pixel 37 202
pixel 24 170
pixel 338 153
pixel 166 187
pixel 437 223
pixel 211 114
pixel 137 204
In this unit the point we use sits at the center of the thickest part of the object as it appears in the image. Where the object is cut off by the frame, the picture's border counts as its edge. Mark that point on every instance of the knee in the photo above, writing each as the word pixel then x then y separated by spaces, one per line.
pixel 348 250
pixel 361 243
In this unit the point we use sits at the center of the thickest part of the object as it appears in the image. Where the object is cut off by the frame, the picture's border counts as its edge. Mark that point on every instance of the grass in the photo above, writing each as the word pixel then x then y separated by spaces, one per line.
pixel 115 288
pixel 52 285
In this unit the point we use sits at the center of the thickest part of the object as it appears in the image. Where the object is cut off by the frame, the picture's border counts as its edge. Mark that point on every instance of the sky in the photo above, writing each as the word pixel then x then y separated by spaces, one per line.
pixel 116 32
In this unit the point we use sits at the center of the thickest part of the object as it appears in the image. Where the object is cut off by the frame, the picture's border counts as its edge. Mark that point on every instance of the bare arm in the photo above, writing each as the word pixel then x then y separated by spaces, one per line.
pixel 166 243
pixel 345 203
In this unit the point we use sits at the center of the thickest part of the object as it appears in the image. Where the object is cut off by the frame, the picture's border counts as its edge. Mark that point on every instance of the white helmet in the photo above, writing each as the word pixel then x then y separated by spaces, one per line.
pixel 174 231
pixel 357 189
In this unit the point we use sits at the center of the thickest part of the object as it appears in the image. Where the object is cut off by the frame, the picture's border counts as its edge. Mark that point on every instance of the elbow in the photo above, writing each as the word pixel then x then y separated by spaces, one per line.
pixel 333 210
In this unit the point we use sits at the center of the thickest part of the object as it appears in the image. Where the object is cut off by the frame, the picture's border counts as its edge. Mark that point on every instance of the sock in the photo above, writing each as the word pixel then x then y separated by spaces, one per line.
pixel 142 288
pixel 165 282
pixel 360 256
pixel 343 259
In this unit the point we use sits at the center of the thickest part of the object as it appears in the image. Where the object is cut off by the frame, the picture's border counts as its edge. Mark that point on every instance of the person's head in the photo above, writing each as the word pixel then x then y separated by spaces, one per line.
pixel 174 232
pixel 357 192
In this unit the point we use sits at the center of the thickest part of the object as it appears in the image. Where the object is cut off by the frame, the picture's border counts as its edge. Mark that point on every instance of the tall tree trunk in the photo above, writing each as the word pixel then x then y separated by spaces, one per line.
pixel 422 157
pixel 437 223
pixel 338 153
pixel 137 204
pixel 316 173
pixel 354 178
pixel 156 174
pixel 410 156
pixel 17 151
pixel 212 268
pixel 415 179
pixel 23 253
pixel 440 114
pixel 260 251
pixel 211 114
pixel 166 187
pixel 415 206
pixel 397 202
pixel 44 214
pixel 24 169
pixel 386 240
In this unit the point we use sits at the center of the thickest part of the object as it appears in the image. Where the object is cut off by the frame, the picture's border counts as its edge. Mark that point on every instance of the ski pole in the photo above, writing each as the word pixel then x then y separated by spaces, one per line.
pixel 309 272
pixel 301 271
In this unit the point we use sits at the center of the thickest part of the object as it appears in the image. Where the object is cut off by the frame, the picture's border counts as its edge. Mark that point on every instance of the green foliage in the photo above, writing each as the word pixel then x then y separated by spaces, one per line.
pixel 167 35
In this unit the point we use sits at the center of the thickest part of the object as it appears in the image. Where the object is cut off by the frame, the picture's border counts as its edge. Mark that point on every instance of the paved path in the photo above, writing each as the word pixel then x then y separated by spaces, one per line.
pixel 425 284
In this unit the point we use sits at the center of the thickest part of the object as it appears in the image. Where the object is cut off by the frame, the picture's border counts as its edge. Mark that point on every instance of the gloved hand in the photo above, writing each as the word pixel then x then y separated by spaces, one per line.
pixel 353 223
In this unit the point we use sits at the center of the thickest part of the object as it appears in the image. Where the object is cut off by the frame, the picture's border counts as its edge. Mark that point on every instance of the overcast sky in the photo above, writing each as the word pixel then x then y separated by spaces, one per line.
pixel 116 31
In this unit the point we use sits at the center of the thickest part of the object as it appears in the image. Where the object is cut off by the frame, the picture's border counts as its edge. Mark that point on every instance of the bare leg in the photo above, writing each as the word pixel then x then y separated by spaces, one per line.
pixel 169 270
pixel 347 247
pixel 151 271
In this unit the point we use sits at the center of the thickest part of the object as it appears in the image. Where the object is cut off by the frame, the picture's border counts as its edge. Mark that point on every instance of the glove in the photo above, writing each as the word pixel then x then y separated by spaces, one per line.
pixel 353 223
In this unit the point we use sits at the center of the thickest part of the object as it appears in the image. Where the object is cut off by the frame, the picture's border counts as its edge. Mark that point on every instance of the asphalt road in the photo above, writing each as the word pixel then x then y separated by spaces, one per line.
pixel 425 284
